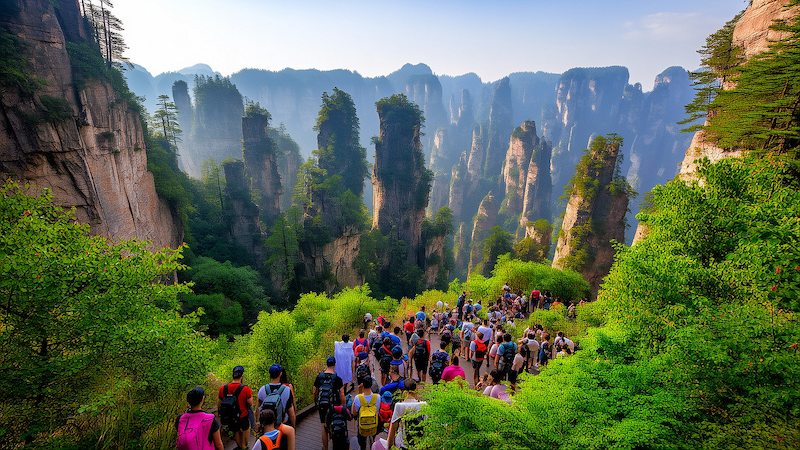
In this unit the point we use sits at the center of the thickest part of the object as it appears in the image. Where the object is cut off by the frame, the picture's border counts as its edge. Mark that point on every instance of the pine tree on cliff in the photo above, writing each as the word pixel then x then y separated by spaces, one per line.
pixel 339 151
pixel 165 120
pixel 762 112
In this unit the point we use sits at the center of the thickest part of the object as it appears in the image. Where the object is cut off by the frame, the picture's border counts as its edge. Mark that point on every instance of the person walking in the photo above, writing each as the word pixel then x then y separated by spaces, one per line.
pixel 281 437
pixel 400 434
pixel 277 397
pixel 234 406
pixel 328 392
pixel 365 410
pixel 197 430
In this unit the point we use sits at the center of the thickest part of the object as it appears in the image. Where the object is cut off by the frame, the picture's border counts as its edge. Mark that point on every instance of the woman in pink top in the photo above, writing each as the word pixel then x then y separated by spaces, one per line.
pixel 496 389
pixel 453 371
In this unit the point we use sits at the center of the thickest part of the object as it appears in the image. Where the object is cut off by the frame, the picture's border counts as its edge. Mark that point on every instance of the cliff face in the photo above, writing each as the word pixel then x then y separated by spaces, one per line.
pixel 92 155
pixel 400 190
pixel 594 216
pixel 753 35
pixel 484 221
pixel 337 257
pixel 242 214
pixel 500 127
pixel 518 157
pixel 260 165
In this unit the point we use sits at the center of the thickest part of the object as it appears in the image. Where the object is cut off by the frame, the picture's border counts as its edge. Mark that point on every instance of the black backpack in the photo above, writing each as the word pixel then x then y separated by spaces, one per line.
pixel 386 359
pixel 229 411
pixel 337 424
pixel 421 350
pixel 508 354
pixel 325 396
pixel 438 363
pixel 362 371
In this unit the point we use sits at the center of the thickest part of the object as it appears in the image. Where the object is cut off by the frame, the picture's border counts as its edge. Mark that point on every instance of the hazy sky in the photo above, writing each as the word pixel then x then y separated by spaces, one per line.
pixel 490 38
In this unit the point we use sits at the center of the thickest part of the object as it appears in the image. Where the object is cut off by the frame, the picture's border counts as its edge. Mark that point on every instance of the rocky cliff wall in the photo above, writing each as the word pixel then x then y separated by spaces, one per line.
pixel 261 167
pixel 93 156
pixel 594 216
pixel 242 214
pixel 401 192
pixel 484 221
pixel 335 257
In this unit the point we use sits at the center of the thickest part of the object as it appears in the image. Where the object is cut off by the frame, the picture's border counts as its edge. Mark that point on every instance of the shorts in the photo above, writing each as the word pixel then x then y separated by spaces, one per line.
pixel 242 423
pixel 323 413
pixel 422 366
pixel 476 364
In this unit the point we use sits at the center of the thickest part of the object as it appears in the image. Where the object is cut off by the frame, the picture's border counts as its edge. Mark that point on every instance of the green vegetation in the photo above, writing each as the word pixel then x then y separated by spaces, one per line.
pixel 88 329
pixel 218 108
pixel 697 333
pixel 759 111
pixel 15 68
pixel 165 123
pixel 528 249
pixel 339 151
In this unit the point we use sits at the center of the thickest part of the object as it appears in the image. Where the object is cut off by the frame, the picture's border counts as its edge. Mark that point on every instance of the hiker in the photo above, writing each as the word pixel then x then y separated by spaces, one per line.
pixel 434 328
pixel 478 348
pixel 532 357
pixel 421 315
pixel 399 360
pixel 367 320
pixel 328 392
pixel 409 328
pixel 345 359
pixel 361 340
pixel 277 397
pixel 337 419
pixel 402 433
pixel 363 365
pixel 197 430
pixel 365 411
pixel 493 350
pixel 421 356
pixel 234 405
pixel 280 438
pixel 462 300
pixel 453 371
pixel 496 389
pixel 384 357
pixel 467 334
pixel 518 366
pixel 506 353
pixel 439 361
pixel 395 382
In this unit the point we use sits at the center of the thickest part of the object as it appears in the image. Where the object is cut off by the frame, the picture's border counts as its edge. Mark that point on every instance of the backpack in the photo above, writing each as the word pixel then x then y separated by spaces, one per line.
pixel 508 355
pixel 229 411
pixel 273 402
pixel 325 396
pixel 438 363
pixel 193 429
pixel 468 309
pixel 386 359
pixel 385 412
pixel 421 350
pixel 362 371
pixel 337 423
pixel 368 415
pixel 480 350
pixel 269 444
pixel 544 353
pixel 413 427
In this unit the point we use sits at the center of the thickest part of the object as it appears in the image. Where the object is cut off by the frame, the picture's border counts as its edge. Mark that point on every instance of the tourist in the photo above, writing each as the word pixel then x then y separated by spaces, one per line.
pixel 195 424
pixel 398 435
pixel 328 392
pixel 345 360
pixel 234 406
pixel 280 438
pixel 453 371
pixel 275 392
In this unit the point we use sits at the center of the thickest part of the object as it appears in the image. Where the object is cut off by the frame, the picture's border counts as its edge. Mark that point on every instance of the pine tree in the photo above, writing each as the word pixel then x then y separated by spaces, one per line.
pixel 165 119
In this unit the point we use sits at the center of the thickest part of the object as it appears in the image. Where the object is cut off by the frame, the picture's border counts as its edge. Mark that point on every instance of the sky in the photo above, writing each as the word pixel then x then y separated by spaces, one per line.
pixel 453 37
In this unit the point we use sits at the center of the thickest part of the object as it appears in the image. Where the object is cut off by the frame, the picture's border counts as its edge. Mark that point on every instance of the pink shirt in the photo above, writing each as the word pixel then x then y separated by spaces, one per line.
pixel 452 372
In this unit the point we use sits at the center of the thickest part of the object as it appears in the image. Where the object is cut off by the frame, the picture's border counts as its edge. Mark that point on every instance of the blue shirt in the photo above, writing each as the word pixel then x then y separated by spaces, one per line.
pixel 421 316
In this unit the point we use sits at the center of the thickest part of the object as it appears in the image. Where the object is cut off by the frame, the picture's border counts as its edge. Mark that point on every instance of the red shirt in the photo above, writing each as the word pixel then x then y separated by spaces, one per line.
pixel 243 396
pixel 409 326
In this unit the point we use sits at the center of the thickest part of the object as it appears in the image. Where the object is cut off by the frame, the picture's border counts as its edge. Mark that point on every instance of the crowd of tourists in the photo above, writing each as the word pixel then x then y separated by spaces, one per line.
pixel 373 379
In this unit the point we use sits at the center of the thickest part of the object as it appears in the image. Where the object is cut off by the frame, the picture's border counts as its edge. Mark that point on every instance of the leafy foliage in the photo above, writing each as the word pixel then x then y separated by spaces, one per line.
pixel 87 326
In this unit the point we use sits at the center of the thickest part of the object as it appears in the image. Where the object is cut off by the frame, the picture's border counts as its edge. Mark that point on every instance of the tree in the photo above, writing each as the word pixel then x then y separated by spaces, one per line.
pixel 85 323
pixel 165 119
pixel 496 244
pixel 284 255
pixel 107 28
pixel 762 112
pixel 339 151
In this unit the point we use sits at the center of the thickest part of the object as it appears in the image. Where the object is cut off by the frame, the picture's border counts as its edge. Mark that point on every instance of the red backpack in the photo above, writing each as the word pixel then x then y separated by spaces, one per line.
pixel 193 429
pixel 480 350
pixel 385 413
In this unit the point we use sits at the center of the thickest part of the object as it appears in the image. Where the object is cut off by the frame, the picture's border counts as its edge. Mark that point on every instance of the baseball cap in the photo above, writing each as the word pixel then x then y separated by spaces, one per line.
pixel 195 396
pixel 331 361
pixel 275 370
pixel 238 371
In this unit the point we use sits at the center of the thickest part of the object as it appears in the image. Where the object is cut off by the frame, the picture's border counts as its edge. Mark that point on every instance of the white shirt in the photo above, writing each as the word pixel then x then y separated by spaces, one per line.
pixel 368 398
pixel 400 410
pixel 487 333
